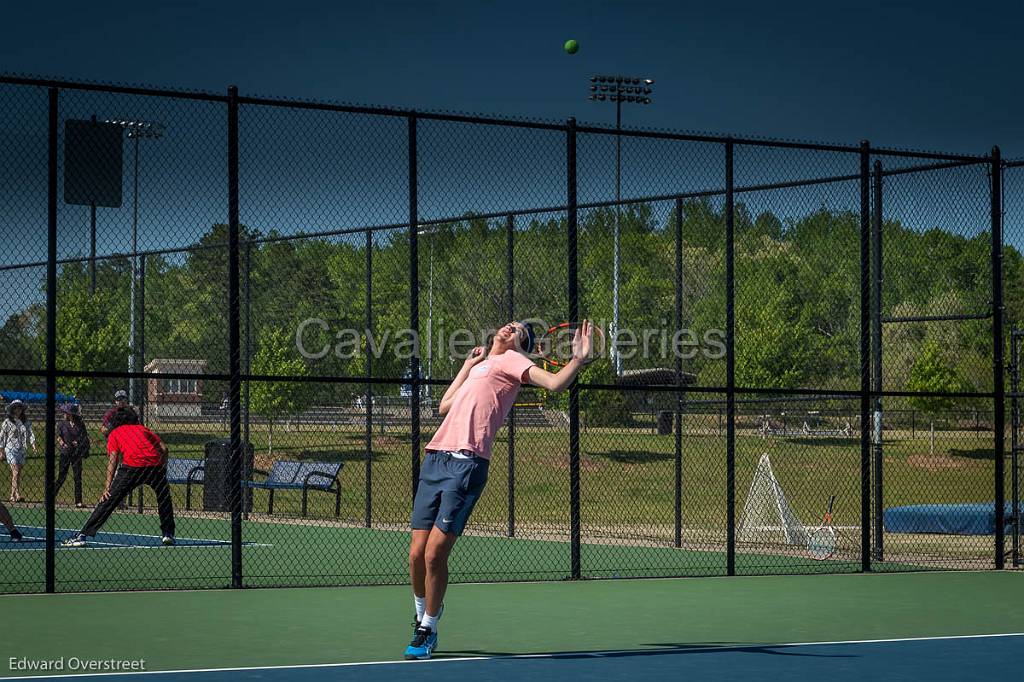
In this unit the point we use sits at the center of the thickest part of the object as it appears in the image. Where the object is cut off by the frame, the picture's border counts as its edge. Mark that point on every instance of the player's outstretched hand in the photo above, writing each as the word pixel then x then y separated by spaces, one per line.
pixel 475 357
pixel 583 342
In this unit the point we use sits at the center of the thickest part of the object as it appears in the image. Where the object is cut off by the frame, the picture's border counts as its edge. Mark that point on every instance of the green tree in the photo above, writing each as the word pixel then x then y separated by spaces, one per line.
pixel 277 355
pixel 933 373
pixel 92 329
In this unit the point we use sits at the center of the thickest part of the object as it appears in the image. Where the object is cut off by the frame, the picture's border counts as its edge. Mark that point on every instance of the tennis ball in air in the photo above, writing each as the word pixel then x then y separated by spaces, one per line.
pixel 571 46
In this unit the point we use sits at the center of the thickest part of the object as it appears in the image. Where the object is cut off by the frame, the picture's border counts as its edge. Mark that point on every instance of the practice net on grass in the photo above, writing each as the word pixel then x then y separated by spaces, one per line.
pixel 768 518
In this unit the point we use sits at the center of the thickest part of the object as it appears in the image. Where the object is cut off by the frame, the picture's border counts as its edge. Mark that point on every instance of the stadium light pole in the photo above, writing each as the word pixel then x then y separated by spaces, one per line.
pixel 630 90
pixel 136 130
pixel 430 308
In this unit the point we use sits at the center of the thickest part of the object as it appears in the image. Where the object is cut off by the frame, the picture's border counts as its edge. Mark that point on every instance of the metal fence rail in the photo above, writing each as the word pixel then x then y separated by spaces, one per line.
pixel 236 263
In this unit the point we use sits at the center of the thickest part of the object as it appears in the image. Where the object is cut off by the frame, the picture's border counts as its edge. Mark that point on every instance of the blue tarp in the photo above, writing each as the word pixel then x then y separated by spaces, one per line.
pixel 27 397
pixel 976 518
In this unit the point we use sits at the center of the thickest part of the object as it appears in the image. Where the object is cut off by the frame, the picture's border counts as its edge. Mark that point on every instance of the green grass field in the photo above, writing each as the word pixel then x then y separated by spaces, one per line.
pixel 627 507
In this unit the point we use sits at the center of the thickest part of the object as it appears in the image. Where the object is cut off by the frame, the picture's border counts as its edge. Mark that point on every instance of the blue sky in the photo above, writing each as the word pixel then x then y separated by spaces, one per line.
pixel 922 75
pixel 932 75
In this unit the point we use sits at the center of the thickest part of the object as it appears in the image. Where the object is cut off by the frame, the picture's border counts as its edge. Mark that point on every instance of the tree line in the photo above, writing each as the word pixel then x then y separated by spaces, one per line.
pixel 797 299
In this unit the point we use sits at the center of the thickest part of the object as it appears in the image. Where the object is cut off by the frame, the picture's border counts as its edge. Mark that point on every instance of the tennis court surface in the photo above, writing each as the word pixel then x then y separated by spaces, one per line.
pixel 35 539
pixel 935 626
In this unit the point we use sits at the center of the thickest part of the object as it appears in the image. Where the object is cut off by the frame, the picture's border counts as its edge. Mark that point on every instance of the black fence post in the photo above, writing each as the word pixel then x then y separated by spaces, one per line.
pixel 876 364
pixel 510 231
pixel 414 301
pixel 368 511
pixel 865 356
pixel 730 365
pixel 997 348
pixel 51 344
pixel 574 389
pixel 679 377
pixel 234 350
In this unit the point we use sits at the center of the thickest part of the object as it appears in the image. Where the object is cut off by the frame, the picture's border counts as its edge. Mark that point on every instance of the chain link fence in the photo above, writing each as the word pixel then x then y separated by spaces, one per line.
pixel 804 336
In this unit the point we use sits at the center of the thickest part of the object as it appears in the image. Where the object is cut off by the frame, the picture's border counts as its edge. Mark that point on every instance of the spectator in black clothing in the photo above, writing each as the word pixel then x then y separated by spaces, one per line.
pixel 120 400
pixel 74 447
pixel 8 523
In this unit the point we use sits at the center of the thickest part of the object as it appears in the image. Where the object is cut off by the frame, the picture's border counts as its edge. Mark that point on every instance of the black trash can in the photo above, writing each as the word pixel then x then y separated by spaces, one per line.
pixel 664 423
pixel 217 476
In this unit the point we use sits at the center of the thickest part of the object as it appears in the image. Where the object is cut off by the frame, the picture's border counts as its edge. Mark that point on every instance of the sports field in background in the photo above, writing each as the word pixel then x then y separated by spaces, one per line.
pixel 735 628
pixel 627 500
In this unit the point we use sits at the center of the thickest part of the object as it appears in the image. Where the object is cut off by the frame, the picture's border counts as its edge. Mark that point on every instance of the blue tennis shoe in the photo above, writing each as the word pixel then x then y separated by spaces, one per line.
pixel 422 646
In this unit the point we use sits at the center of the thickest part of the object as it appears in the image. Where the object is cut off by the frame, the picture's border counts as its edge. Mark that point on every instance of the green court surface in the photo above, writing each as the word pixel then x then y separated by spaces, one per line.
pixel 125 556
pixel 302 626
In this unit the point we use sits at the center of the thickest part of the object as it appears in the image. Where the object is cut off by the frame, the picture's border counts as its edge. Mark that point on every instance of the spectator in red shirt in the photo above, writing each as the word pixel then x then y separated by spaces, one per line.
pixel 143 461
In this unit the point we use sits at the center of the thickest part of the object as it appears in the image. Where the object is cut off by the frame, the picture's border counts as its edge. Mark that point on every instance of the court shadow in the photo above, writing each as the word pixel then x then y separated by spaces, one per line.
pixel 974 453
pixel 662 649
pixel 826 441
pixel 632 456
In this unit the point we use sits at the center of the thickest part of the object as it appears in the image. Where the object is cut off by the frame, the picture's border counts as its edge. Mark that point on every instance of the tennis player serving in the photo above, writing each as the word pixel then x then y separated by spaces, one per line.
pixel 454 470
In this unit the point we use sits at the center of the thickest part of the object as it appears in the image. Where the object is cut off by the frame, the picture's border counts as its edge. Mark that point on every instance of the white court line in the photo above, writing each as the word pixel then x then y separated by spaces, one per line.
pixel 115 545
pixel 93 545
pixel 564 654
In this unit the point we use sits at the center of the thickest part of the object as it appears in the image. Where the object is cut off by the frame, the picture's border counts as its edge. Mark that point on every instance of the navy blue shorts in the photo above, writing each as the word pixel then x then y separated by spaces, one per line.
pixel 448 489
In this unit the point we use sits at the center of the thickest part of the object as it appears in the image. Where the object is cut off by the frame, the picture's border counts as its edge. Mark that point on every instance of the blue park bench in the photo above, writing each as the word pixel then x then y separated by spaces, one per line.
pixel 187 472
pixel 180 471
pixel 304 476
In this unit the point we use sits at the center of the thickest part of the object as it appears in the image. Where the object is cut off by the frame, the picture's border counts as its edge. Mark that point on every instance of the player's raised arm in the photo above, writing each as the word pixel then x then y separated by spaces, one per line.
pixel 582 344
pixel 475 357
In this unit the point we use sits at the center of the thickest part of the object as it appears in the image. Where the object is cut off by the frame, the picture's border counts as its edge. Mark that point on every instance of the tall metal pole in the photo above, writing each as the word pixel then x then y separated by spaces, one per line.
pixel 135 249
pixel 247 357
pixel 510 227
pixel 996 172
pixel 92 242
pixel 234 350
pixel 679 377
pixel 142 339
pixel 876 362
pixel 414 298
pixel 616 359
pixel 1015 337
pixel 574 389
pixel 430 319
pixel 92 249
pixel 51 347
pixel 368 505
pixel 865 356
pixel 730 365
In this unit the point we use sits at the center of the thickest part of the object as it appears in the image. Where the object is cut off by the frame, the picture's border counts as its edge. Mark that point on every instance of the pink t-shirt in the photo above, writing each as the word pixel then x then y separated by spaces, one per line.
pixel 481 404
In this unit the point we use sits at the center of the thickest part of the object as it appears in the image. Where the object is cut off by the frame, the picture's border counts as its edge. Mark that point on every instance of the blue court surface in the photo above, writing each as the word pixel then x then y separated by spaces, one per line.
pixel 35 539
pixel 994 656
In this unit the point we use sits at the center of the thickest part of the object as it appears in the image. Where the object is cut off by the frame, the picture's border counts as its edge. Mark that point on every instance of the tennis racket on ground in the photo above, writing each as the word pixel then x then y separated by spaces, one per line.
pixel 822 543
pixel 554 345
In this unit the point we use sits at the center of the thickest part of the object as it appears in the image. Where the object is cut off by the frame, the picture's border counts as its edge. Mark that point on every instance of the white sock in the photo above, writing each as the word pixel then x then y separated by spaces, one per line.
pixel 421 606
pixel 429 622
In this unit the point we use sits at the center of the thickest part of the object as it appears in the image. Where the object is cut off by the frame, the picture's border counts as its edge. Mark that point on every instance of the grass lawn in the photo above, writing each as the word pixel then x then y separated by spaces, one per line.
pixel 627 503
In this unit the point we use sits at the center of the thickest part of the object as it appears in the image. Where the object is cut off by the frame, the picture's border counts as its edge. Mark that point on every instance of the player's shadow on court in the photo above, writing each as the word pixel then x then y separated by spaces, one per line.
pixel 661 650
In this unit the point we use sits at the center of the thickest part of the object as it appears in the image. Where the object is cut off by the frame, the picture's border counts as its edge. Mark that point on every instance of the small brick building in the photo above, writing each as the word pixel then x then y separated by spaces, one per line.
pixel 179 397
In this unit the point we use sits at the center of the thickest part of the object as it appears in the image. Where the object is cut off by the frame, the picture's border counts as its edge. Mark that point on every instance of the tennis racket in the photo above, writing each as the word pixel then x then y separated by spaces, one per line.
pixel 554 345
pixel 822 543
